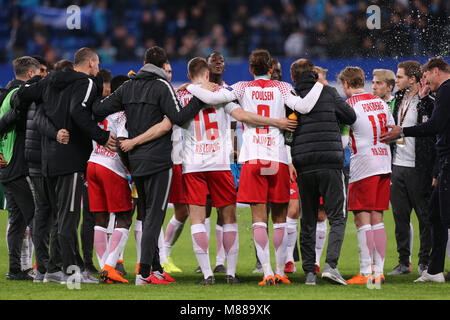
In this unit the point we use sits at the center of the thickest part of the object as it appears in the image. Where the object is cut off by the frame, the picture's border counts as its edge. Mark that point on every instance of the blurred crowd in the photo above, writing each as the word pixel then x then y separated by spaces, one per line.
pixel 121 29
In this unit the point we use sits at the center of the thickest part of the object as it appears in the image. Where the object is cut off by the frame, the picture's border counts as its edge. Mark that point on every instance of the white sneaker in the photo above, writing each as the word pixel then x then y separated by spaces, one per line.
pixel 426 277
pixel 141 281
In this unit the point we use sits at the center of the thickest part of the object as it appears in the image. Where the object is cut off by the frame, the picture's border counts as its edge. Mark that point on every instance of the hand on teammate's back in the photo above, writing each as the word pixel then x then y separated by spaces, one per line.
pixel 392 134
pixel 63 136
pixel 127 145
pixel 111 144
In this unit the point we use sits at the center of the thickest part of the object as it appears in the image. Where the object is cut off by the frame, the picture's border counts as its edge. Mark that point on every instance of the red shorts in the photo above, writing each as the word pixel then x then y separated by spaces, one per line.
pixel 293 189
pixel 177 191
pixel 108 192
pixel 264 180
pixel 219 184
pixel 370 194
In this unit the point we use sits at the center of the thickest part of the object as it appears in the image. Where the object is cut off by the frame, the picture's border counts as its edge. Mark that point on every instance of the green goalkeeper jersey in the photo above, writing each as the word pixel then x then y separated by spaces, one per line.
pixel 8 139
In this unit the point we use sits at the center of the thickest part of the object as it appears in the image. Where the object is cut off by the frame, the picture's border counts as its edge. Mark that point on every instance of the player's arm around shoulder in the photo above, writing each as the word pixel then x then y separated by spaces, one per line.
pixel 344 112
pixel 299 104
pixel 257 120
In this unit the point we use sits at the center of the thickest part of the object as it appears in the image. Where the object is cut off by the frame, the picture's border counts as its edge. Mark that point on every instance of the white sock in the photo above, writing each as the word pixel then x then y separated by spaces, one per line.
pixel 101 245
pixel 231 246
pixel 321 238
pixel 138 237
pixel 365 248
pixel 118 241
pixel 280 244
pixel 411 240
pixel 292 226
pixel 208 227
pixel 162 252
pixel 200 243
pixel 111 225
pixel 173 231
pixel 261 240
pixel 220 256
pixel 379 240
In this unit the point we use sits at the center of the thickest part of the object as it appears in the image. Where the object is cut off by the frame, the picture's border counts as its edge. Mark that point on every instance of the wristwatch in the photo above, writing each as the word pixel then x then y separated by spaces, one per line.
pixel 402 135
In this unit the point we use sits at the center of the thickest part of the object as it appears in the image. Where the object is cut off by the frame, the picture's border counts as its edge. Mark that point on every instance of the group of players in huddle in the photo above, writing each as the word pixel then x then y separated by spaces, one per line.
pixel 202 176
pixel 212 169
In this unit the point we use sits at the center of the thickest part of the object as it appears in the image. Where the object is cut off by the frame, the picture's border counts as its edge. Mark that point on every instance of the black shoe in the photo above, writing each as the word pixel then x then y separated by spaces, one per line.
pixel 447 277
pixel 21 275
pixel 220 269
pixel 121 268
pixel 91 269
pixel 198 270
pixel 208 282
pixel 232 280
pixel 400 269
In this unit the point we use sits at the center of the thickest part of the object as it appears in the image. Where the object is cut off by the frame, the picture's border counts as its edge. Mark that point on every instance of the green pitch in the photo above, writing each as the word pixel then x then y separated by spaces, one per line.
pixel 186 287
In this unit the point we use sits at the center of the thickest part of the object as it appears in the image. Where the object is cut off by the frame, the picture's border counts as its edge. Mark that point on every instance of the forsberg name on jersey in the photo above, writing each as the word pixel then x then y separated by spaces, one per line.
pixel 372 106
pixel 262 95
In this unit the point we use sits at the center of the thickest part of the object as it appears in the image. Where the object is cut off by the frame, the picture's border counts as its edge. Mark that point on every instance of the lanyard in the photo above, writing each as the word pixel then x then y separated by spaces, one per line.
pixel 404 109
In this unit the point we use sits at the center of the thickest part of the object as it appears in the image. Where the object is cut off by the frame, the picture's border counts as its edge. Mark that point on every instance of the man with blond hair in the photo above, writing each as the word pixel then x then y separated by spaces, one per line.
pixel 383 83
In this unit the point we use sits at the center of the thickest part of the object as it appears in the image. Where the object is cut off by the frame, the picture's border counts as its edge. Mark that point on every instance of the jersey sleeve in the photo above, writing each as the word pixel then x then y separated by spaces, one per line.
pixel 230 107
pixel 224 95
pixel 306 104
pixel 122 131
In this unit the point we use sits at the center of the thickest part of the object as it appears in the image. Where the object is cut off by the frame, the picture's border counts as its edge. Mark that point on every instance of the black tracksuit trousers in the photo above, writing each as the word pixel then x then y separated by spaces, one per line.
pixel 21 208
pixel 330 184
pixel 67 192
pixel 45 227
pixel 153 191
pixel 440 217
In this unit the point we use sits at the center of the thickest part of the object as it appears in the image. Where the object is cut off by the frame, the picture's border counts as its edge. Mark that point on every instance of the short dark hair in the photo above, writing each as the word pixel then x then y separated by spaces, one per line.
pixel 24 64
pixel 211 54
pixel 83 55
pixel 106 75
pixel 412 69
pixel 156 56
pixel 299 66
pixel 436 62
pixel 260 62
pixel 197 66
pixel 64 64
pixel 42 61
pixel 117 81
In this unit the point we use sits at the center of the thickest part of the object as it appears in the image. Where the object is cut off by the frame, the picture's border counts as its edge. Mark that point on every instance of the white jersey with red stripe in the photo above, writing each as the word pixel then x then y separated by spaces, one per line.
pixel 369 157
pixel 115 124
pixel 207 138
pixel 266 98
pixel 177 144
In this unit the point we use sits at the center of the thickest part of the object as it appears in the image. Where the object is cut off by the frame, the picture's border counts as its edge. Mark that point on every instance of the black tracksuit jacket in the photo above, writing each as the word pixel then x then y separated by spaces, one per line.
pixel 66 97
pixel 317 140
pixel 146 98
